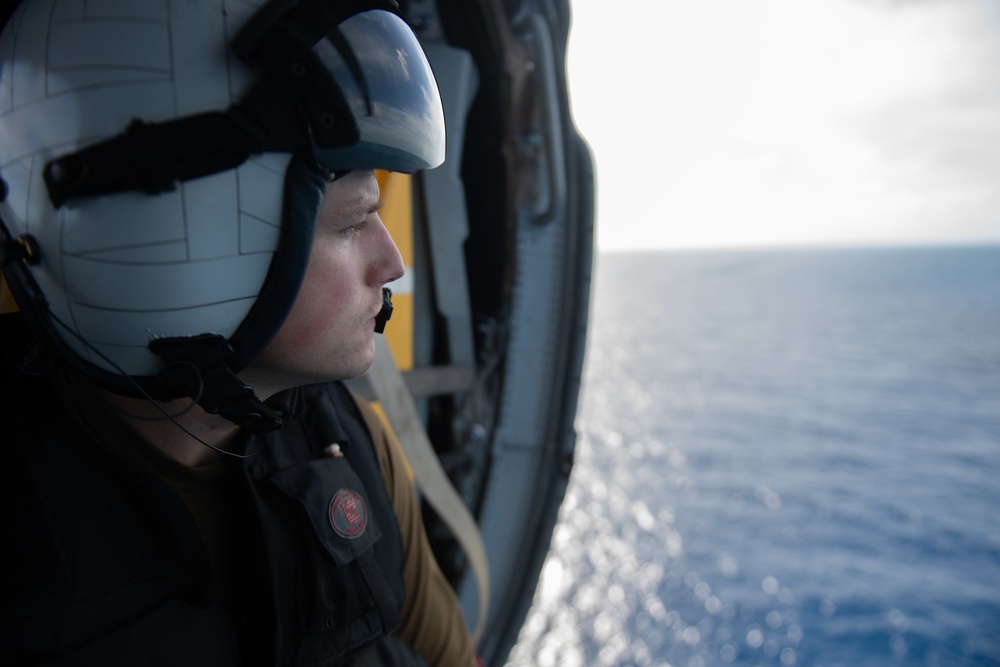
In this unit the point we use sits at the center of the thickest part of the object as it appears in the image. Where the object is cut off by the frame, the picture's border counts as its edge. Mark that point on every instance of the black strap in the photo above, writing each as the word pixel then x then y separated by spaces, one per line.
pixel 152 157
pixel 378 588
pixel 196 367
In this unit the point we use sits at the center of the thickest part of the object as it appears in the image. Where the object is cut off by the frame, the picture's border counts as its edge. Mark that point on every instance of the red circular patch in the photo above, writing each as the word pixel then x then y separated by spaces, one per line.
pixel 348 514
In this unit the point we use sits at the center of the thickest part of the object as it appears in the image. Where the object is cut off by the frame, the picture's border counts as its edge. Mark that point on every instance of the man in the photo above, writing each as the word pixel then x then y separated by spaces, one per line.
pixel 191 234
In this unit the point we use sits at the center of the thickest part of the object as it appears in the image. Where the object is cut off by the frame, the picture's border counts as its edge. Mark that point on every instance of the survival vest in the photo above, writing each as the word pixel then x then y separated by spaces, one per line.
pixel 105 564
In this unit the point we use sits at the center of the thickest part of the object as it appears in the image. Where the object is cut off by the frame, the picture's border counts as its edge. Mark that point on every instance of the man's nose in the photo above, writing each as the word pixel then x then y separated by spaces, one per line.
pixel 389 265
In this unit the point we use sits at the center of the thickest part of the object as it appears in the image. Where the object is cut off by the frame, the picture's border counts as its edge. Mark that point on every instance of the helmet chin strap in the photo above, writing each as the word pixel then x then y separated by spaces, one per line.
pixel 196 367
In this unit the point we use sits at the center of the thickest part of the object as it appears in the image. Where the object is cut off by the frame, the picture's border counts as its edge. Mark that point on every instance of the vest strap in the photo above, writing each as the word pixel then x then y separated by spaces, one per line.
pixel 378 586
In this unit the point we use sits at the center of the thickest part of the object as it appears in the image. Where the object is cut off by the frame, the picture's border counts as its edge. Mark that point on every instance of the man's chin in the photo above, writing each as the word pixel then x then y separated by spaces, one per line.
pixel 366 362
pixel 272 378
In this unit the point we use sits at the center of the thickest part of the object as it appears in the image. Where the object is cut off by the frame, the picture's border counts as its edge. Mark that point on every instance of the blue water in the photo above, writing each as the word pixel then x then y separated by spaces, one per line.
pixel 785 458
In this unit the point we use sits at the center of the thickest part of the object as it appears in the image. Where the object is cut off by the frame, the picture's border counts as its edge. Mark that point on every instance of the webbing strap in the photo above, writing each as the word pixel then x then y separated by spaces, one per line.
pixel 397 402
pixel 378 587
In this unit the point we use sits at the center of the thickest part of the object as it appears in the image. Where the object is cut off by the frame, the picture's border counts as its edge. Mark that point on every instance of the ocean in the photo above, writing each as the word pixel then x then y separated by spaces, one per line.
pixel 785 457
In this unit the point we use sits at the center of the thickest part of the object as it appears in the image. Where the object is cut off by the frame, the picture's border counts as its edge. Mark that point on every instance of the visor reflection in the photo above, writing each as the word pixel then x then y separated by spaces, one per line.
pixel 391 92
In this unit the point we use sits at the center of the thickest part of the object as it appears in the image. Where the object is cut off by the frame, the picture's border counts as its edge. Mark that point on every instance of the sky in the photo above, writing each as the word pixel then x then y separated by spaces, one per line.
pixel 789 122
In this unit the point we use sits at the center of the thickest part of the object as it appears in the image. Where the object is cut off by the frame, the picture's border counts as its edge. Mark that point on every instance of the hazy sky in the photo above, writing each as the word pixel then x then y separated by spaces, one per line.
pixel 730 122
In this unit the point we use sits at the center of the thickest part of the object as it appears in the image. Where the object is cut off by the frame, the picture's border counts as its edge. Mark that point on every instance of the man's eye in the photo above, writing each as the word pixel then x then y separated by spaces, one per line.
pixel 354 230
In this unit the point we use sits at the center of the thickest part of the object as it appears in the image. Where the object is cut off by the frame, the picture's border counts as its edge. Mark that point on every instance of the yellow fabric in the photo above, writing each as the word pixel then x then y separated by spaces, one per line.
pixel 397 214
pixel 387 425
pixel 7 303
pixel 433 623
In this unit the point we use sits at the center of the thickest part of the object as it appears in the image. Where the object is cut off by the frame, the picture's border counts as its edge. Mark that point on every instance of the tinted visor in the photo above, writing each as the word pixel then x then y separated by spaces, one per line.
pixel 390 92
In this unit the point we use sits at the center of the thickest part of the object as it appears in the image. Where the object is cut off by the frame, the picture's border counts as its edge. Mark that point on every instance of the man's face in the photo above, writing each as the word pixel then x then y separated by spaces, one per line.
pixel 328 334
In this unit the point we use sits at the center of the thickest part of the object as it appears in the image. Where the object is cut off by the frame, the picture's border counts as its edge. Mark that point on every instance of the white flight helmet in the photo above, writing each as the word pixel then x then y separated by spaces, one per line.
pixel 164 161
